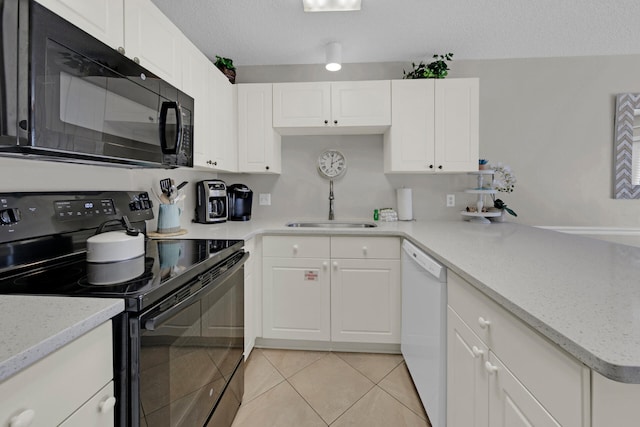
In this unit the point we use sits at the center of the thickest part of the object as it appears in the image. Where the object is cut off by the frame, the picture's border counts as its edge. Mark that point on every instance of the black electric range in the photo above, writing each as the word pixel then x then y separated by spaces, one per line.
pixel 188 300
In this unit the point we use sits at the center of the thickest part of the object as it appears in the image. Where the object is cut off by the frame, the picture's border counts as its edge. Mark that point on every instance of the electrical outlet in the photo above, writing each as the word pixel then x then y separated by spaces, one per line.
pixel 265 199
pixel 451 200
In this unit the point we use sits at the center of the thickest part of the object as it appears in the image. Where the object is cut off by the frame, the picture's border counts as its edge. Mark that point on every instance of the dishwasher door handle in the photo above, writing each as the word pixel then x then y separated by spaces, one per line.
pixel 423 260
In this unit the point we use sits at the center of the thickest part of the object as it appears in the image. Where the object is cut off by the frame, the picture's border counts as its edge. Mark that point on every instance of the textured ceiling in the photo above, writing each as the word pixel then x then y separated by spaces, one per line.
pixel 268 32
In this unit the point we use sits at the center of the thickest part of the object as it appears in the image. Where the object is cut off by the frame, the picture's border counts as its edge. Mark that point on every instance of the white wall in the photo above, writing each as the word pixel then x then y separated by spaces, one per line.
pixel 550 119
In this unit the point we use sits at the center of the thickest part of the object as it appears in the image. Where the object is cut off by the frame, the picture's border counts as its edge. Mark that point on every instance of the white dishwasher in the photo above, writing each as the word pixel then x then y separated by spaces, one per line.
pixel 424 327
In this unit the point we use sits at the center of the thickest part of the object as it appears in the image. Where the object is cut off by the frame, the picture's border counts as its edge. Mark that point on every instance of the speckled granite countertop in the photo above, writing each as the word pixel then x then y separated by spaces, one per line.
pixel 581 293
pixel 33 327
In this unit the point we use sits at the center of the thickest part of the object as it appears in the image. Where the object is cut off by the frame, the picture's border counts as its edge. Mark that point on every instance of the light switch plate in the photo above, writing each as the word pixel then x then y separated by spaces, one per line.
pixel 265 199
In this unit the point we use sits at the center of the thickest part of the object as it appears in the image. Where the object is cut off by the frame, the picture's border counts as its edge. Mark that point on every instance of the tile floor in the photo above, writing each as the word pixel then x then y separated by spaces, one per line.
pixel 312 388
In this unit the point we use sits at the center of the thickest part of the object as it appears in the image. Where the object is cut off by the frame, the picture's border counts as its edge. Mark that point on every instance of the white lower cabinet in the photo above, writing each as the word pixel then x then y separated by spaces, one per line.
pixel 296 298
pixel 340 289
pixel 502 373
pixel 72 386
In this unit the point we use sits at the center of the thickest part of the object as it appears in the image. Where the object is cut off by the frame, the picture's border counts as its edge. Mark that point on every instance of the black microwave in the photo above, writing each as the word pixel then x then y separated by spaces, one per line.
pixel 64 95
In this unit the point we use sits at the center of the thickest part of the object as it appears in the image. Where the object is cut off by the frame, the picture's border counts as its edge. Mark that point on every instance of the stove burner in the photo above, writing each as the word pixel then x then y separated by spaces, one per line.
pixel 41 279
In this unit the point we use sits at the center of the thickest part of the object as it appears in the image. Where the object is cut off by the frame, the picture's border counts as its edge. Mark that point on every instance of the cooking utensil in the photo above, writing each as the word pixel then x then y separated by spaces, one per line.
pixel 165 186
pixel 182 184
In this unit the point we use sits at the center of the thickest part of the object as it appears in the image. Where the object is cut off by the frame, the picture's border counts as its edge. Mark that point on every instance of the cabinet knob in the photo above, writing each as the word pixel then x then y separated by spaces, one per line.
pixel 335 122
pixel 476 351
pixel 23 419
pixel 107 404
pixel 440 167
pixel 136 60
pixel 325 264
pixel 295 249
pixel 326 122
pixel 266 167
pixel 335 264
pixel 215 163
pixel 483 323
pixel 121 50
pixel 364 250
pixel 430 166
pixel 491 369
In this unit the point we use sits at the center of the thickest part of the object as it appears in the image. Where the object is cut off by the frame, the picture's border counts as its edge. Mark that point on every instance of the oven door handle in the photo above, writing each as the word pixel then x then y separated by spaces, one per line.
pixel 150 324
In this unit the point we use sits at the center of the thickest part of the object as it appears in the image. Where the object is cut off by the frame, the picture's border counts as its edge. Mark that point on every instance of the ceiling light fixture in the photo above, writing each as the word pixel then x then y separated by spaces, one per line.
pixel 330 5
pixel 334 56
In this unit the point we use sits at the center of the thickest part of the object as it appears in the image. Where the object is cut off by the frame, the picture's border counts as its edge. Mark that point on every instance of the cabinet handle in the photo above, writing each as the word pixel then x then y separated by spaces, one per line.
pixel 136 60
pixel 440 167
pixel 491 369
pixel 364 250
pixel 295 249
pixel 483 323
pixel 325 264
pixel 107 404
pixel 476 351
pixel 326 122
pixel 23 419
pixel 266 167
pixel 335 122
pixel 430 166
pixel 121 50
pixel 335 264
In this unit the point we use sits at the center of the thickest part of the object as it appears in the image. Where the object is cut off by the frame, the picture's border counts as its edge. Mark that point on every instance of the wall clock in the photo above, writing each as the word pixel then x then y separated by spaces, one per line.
pixel 332 164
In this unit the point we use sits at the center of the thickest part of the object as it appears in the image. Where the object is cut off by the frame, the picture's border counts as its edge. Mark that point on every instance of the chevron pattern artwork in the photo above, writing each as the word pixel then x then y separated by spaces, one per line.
pixel 626 103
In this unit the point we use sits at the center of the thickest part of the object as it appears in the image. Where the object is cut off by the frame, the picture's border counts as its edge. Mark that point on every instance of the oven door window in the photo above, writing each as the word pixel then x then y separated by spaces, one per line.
pixel 84 106
pixel 186 360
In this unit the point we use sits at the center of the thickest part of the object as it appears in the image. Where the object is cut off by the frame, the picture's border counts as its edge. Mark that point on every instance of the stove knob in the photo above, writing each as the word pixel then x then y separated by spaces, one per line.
pixel 10 216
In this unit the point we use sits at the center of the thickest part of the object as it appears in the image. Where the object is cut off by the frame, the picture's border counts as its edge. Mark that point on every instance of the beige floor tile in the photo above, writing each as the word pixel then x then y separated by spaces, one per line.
pixel 374 366
pixel 279 407
pixel 400 385
pixel 378 409
pixel 289 362
pixel 330 386
pixel 260 376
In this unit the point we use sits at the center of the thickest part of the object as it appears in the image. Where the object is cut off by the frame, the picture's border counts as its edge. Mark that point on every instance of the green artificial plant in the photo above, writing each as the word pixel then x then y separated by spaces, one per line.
pixel 437 69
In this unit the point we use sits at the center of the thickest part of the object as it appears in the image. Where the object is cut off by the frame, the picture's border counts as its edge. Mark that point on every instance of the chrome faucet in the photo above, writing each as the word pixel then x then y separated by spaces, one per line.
pixel 331 214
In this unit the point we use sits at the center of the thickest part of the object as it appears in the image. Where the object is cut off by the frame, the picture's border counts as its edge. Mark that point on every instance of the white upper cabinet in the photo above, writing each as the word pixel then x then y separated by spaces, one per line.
pixel 224 119
pixel 103 19
pixel 435 126
pixel 153 41
pixel 259 146
pixel 358 107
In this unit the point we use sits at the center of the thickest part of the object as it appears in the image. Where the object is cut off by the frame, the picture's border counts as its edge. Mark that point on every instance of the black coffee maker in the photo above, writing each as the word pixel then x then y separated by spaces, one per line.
pixel 240 198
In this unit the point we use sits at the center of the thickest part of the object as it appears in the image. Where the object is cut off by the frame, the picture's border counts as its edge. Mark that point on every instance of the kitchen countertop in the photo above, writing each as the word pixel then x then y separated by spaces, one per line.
pixel 583 294
pixel 34 326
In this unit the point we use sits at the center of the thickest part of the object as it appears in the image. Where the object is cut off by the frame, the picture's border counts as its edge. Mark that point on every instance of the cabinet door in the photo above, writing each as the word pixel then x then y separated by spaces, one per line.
pixel 511 404
pixel 224 138
pixel 457 125
pixel 103 19
pixel 365 300
pixel 258 144
pixel 409 145
pixel 301 104
pixel 296 298
pixel 467 379
pixel 362 103
pixel 97 412
pixel 152 40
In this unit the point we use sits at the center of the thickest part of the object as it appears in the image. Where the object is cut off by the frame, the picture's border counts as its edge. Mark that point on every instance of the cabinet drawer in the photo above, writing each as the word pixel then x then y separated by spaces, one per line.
pixel 555 378
pixel 80 368
pixel 365 247
pixel 97 412
pixel 296 246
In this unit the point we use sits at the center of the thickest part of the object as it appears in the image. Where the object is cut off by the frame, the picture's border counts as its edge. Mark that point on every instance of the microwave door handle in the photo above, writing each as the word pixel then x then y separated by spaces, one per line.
pixel 164 110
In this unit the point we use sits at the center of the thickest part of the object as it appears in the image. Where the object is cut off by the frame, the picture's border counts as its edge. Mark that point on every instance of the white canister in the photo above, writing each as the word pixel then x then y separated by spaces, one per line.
pixel 114 257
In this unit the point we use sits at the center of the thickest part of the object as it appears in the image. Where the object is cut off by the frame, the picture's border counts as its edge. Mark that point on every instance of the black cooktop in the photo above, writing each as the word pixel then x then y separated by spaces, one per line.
pixel 169 264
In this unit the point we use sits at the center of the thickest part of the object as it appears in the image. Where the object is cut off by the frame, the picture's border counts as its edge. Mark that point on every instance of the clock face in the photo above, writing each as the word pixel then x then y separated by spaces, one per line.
pixel 332 164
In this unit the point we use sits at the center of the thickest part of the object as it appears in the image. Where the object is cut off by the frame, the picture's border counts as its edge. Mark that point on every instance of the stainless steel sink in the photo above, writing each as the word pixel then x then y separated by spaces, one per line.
pixel 332 224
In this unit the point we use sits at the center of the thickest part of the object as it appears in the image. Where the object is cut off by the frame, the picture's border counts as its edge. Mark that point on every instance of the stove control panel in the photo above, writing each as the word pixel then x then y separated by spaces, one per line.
pixel 27 215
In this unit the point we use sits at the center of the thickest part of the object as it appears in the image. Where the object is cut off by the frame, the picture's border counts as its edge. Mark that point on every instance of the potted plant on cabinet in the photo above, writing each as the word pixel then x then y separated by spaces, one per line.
pixel 437 69
pixel 226 66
